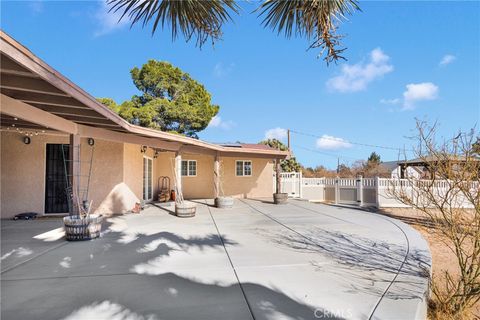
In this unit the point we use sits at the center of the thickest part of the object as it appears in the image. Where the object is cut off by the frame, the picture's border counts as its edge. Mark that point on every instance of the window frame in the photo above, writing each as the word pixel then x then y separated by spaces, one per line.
pixel 188 168
pixel 243 168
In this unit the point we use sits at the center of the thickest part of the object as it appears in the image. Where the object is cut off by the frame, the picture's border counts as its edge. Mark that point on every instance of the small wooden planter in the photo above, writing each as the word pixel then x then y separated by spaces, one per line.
pixel 185 210
pixel 224 202
pixel 78 229
pixel 280 198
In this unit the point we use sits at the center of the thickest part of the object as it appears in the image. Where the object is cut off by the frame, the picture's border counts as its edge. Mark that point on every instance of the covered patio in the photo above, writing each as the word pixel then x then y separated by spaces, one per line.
pixel 40 107
pixel 255 261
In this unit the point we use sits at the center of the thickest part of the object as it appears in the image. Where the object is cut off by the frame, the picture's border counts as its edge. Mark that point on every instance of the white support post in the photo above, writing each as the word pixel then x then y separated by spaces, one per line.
pixel 360 191
pixel 74 172
pixel 178 173
pixel 216 176
pixel 301 185
pixel 337 190
pixel 377 191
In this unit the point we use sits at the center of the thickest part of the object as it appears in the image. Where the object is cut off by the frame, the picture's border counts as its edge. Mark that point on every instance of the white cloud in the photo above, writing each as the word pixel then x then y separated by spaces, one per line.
pixel 217 122
pixel 332 143
pixel 36 6
pixel 447 59
pixel 356 77
pixel 390 101
pixel 419 92
pixel 108 21
pixel 276 133
pixel 221 70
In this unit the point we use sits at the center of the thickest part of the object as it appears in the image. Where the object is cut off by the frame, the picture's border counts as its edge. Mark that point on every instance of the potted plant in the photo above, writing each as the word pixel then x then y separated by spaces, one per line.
pixel 81 225
pixel 183 209
pixel 279 197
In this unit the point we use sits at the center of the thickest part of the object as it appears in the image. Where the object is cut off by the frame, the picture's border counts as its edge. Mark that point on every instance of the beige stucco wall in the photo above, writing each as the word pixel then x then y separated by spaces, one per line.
pixel 23 173
pixel 200 186
pixel 163 167
pixel 259 185
pixel 107 190
pixel 117 175
pixel 197 187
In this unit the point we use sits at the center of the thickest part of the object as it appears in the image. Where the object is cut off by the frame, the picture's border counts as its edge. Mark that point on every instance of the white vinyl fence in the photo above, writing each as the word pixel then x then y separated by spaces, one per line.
pixel 363 191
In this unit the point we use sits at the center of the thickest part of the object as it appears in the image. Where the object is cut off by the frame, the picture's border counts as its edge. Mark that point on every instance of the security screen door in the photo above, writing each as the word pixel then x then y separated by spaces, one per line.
pixel 55 180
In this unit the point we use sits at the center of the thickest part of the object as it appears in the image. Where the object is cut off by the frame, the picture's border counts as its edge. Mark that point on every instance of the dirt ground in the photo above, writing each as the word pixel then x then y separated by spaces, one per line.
pixel 443 257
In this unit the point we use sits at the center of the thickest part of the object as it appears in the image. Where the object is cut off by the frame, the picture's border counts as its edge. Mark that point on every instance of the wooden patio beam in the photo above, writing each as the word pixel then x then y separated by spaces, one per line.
pixel 35 97
pixel 109 135
pixel 21 110
pixel 28 84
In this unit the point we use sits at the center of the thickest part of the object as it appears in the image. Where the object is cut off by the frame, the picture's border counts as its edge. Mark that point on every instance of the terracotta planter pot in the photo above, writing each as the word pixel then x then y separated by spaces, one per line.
pixel 280 198
pixel 224 202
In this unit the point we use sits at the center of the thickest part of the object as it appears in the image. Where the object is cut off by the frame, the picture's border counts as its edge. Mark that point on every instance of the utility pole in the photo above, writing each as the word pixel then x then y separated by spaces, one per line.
pixel 338 165
pixel 288 139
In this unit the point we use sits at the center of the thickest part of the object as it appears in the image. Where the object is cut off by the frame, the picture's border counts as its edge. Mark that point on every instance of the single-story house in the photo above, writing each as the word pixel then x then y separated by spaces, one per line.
pixel 50 128
pixel 425 167
pixel 397 170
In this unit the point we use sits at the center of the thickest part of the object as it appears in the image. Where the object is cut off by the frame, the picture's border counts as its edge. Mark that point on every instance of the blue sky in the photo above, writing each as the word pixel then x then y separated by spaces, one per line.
pixel 406 60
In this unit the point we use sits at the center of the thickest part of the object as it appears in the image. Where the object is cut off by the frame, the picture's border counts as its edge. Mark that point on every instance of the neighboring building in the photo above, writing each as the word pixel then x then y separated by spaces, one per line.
pixel 425 167
pixel 37 101
pixel 395 170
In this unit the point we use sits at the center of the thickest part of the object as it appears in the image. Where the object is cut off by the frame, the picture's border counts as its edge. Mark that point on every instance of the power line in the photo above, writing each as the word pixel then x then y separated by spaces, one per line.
pixel 325 153
pixel 355 143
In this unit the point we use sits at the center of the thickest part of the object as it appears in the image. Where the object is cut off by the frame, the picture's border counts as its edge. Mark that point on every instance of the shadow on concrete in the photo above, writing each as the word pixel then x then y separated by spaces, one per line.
pixel 261 200
pixel 370 262
pixel 419 221
pixel 166 296
pixel 94 285
pixel 202 202
pixel 167 209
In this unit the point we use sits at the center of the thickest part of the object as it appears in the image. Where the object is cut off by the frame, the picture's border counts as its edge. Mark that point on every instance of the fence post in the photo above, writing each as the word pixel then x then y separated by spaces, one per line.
pixel 360 190
pixel 377 191
pixel 337 190
pixel 300 191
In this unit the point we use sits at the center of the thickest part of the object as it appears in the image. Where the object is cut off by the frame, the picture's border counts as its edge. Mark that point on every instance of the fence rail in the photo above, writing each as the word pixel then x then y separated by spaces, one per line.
pixel 365 191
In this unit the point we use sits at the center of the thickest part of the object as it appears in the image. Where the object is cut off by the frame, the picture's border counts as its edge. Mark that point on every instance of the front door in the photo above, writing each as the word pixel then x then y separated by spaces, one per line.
pixel 55 180
pixel 147 179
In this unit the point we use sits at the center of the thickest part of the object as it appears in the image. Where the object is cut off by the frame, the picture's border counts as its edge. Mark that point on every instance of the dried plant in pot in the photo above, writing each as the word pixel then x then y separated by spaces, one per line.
pixel 183 209
pixel 221 201
pixel 279 197
pixel 81 225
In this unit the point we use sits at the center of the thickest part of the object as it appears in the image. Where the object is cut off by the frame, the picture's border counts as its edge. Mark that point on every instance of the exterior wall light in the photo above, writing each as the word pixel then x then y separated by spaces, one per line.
pixel 155 156
pixel 143 149
pixel 27 140
pixel 90 142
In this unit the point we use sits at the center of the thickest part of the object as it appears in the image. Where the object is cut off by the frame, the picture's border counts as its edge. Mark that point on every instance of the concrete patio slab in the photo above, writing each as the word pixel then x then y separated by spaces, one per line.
pixel 254 261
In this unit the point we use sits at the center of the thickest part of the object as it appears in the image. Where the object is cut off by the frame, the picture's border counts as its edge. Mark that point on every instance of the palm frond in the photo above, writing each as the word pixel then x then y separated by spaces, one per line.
pixel 317 19
pixel 202 19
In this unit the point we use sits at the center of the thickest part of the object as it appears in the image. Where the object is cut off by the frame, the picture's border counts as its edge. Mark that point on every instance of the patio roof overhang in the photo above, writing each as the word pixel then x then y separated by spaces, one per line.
pixel 35 96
